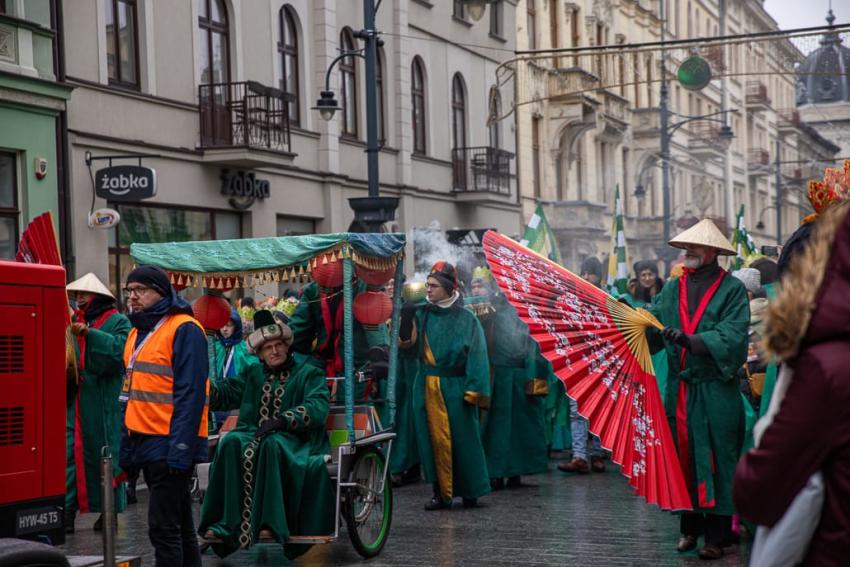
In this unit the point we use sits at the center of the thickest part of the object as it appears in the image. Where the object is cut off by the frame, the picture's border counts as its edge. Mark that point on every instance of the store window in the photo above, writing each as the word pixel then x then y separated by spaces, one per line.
pixel 122 43
pixel 150 224
pixel 9 213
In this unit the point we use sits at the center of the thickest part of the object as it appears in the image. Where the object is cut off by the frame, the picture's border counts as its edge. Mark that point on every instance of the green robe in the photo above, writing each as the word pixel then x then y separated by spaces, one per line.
pixel 659 359
pixel 292 492
pixel 452 384
pixel 514 426
pixel 94 416
pixel 241 357
pixel 405 452
pixel 715 418
pixel 311 331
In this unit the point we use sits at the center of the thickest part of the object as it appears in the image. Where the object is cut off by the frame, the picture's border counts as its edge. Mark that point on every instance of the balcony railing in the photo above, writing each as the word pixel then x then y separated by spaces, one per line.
pixel 756 94
pixel 789 118
pixel 714 55
pixel 758 157
pixel 481 169
pixel 572 82
pixel 244 114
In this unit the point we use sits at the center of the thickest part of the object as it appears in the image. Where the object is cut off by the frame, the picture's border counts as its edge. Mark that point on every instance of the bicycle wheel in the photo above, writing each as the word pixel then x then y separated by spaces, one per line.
pixel 368 508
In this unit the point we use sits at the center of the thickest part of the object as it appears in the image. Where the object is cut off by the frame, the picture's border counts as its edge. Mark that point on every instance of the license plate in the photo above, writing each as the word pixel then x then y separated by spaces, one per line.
pixel 38 520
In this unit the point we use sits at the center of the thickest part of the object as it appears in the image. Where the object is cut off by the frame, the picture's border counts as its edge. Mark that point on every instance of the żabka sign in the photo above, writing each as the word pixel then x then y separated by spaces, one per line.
pixel 125 183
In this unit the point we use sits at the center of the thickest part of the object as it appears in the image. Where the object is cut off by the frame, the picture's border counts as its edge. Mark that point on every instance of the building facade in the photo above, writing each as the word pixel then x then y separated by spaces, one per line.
pixel 32 109
pixel 217 95
pixel 591 122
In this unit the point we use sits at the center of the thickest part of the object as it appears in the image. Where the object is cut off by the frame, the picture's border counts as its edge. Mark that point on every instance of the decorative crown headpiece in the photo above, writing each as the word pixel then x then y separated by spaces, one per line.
pixel 835 188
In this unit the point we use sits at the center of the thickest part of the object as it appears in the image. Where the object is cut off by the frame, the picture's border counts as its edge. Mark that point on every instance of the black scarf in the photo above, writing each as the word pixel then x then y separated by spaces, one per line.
pixel 699 281
pixel 99 305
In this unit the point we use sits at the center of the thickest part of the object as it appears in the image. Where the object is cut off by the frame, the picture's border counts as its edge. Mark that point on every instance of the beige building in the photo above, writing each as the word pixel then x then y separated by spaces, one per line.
pixel 591 122
pixel 220 91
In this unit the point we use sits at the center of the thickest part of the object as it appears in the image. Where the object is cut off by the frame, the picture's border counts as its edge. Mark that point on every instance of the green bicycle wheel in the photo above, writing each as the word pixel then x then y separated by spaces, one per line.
pixel 368 508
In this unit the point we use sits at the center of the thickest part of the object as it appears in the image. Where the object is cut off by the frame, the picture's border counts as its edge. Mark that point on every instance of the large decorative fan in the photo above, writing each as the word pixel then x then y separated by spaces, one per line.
pixel 39 245
pixel 598 349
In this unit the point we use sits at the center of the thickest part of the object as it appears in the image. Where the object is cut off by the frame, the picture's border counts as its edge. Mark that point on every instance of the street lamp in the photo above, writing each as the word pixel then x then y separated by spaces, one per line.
pixel 327 105
pixel 760 223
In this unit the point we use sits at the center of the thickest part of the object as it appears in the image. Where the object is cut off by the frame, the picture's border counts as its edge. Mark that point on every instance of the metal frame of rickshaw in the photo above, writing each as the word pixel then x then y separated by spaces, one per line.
pixel 347 451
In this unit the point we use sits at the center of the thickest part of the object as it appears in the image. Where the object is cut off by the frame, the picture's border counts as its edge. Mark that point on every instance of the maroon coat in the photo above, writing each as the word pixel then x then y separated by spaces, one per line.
pixel 811 431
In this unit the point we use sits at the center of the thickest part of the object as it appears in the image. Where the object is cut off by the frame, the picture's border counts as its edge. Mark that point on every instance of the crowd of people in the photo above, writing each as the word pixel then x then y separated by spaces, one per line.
pixel 478 406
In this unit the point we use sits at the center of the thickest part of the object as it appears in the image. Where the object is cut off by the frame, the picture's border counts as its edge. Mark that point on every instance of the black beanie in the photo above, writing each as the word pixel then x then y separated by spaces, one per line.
pixel 446 274
pixel 153 277
pixel 591 265
pixel 650 265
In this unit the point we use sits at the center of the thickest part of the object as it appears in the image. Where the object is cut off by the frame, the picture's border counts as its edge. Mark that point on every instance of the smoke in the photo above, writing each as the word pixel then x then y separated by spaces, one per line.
pixel 430 245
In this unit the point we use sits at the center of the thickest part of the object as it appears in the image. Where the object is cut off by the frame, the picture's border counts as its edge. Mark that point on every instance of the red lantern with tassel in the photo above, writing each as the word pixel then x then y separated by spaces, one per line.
pixel 372 308
pixel 374 278
pixel 327 273
pixel 211 311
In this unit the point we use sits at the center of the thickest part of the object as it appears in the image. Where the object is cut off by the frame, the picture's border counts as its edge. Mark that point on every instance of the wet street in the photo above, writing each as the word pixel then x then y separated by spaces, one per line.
pixel 555 520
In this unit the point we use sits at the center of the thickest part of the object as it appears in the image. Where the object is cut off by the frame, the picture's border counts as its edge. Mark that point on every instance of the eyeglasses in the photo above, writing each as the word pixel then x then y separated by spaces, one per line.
pixel 138 291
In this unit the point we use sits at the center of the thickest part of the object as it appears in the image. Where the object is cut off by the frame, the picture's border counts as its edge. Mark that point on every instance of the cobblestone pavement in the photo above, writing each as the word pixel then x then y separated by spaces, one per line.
pixel 555 519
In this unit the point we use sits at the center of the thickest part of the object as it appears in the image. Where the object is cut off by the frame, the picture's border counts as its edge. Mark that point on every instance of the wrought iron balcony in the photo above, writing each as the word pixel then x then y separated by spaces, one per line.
pixel 244 115
pixel 481 170
pixel 756 96
pixel 757 160
pixel 789 118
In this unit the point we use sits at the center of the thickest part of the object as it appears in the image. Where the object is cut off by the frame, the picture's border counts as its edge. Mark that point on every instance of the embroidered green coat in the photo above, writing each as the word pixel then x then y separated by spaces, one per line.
pixel 94 416
pixel 712 406
pixel 514 435
pixel 292 492
pixel 452 384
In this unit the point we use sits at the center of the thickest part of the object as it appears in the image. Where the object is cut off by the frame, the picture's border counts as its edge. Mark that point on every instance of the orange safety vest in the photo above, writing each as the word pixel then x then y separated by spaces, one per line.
pixel 150 382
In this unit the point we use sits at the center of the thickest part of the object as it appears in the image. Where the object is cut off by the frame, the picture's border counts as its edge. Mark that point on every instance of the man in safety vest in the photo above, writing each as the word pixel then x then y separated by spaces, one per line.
pixel 166 418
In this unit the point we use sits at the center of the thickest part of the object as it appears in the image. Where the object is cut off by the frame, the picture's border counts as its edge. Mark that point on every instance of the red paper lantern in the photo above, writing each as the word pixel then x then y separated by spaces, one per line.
pixel 372 307
pixel 374 278
pixel 211 311
pixel 327 275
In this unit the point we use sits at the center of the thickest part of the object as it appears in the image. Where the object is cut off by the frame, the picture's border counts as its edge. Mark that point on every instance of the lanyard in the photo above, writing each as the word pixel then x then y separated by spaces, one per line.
pixel 128 376
pixel 227 362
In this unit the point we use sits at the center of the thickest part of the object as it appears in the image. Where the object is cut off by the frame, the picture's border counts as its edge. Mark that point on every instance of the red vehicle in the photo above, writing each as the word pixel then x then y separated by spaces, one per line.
pixel 32 401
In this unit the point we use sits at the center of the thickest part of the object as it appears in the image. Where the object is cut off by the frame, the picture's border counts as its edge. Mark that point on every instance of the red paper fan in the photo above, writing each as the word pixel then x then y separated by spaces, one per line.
pixel 39 244
pixel 598 349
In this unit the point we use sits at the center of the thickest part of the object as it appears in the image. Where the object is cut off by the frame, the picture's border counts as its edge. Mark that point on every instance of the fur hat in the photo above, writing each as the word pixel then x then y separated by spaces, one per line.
pixel 266 329
pixel 446 274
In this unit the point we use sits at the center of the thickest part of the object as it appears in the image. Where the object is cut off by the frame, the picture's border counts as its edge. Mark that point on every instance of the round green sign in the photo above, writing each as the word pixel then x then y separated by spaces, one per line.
pixel 694 73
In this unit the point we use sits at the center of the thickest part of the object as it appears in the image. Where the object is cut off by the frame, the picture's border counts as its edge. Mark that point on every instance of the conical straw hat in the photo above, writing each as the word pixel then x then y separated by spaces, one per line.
pixel 704 233
pixel 91 284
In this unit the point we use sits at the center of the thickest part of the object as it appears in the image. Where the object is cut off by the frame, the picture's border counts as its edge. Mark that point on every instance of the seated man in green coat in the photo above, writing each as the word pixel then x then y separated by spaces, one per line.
pixel 706 315
pixel 269 479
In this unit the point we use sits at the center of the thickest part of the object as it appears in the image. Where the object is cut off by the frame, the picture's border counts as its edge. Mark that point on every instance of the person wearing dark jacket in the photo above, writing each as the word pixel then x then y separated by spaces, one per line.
pixel 809 329
pixel 165 424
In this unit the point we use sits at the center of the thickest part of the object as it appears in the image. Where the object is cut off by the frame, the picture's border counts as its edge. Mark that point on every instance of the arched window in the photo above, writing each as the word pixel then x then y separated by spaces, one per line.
pixel 287 49
pixel 495 115
pixel 458 112
pixel 417 90
pixel 379 82
pixel 214 57
pixel 348 83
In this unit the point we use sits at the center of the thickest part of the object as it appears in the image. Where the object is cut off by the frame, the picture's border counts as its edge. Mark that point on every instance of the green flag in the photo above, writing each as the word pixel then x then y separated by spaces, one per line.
pixel 741 241
pixel 618 267
pixel 539 236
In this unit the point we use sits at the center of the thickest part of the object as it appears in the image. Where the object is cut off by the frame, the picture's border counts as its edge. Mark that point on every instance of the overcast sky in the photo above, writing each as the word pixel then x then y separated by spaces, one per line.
pixel 792 14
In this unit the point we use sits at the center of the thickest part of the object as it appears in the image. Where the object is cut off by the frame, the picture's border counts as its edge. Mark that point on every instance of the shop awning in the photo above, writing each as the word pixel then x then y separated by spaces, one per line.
pixel 223 264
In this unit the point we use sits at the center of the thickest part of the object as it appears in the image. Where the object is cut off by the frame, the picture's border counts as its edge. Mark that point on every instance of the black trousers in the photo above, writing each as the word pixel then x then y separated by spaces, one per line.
pixel 717 529
pixel 170 525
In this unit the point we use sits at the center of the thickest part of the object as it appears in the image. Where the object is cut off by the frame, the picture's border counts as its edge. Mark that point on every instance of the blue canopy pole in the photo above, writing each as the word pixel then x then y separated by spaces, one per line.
pixel 393 369
pixel 348 348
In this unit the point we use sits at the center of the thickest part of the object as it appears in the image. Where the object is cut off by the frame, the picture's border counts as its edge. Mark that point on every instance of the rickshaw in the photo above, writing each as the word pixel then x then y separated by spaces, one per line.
pixel 360 443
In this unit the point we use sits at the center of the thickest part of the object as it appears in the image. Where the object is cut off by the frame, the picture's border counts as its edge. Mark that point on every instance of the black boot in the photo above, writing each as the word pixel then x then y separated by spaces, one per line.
pixel 470 502
pixel 98 525
pixel 437 502
pixel 497 483
pixel 131 493
pixel 70 516
pixel 514 482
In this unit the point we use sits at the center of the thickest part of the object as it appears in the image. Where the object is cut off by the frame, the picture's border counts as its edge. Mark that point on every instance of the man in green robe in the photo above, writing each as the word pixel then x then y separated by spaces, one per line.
pixel 514 434
pixel 706 317
pixel 94 412
pixel 269 479
pixel 317 325
pixel 453 384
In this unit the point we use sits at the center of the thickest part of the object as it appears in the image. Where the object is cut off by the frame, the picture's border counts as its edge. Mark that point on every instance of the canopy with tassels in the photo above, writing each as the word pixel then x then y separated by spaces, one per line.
pixel 225 264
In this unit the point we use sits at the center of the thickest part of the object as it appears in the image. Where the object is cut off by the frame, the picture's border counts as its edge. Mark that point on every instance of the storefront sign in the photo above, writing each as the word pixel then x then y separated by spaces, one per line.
pixel 243 188
pixel 125 183
pixel 104 218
